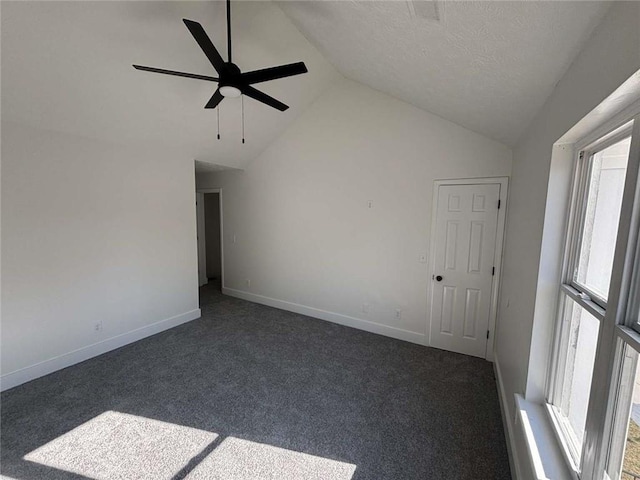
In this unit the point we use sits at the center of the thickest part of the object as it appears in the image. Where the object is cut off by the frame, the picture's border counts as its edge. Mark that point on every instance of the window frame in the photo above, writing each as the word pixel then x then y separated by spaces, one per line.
pixel 618 330
pixel 583 178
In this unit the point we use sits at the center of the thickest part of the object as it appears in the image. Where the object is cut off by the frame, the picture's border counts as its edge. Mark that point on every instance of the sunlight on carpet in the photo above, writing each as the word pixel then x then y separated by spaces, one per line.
pixel 120 446
pixel 238 459
pixel 117 445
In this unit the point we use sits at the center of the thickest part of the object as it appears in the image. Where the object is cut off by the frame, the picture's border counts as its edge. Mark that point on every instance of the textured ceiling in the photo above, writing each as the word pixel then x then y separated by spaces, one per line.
pixel 488 66
pixel 66 66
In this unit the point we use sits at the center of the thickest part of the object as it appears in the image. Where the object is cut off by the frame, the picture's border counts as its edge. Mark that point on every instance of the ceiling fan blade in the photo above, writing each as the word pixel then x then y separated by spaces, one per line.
pixel 214 100
pixel 177 74
pixel 264 98
pixel 273 73
pixel 205 44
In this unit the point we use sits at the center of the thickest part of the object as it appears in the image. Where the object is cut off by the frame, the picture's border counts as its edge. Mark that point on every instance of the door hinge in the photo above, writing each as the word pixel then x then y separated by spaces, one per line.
pixel 487 334
pixel 493 270
pixel 499 202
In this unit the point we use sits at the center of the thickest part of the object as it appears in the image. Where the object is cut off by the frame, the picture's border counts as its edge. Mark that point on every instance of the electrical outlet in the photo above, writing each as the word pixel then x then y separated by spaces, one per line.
pixel 98 326
pixel 365 308
pixel 234 239
pixel 248 282
pixel 398 313
pixel 369 203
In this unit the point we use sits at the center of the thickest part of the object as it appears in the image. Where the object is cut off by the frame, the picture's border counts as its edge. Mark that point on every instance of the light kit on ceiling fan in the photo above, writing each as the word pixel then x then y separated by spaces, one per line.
pixel 231 92
pixel 232 82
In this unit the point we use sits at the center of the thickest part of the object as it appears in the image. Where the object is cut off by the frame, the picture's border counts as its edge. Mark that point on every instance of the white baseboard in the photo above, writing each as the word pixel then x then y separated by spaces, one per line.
pixel 46 367
pixel 508 424
pixel 333 317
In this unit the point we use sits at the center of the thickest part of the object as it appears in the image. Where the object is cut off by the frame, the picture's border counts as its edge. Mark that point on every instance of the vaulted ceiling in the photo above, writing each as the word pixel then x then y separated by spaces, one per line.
pixel 66 66
pixel 488 66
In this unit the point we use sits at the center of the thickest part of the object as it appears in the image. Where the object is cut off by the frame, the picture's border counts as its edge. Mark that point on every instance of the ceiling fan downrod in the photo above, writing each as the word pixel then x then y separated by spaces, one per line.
pixel 229 30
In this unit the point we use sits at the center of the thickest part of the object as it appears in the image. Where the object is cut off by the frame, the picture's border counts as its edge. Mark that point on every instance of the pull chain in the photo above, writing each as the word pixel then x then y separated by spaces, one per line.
pixel 218 112
pixel 242 101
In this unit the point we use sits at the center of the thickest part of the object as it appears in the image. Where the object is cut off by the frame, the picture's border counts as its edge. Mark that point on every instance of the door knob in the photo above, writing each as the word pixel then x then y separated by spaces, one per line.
pixel 439 278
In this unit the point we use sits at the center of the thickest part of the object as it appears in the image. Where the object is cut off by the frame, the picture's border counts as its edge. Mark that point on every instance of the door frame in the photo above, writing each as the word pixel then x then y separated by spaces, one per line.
pixel 201 239
pixel 219 191
pixel 498 254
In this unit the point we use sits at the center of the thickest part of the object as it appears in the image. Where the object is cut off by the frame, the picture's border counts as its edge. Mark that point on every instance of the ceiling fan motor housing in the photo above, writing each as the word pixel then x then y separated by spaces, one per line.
pixel 230 76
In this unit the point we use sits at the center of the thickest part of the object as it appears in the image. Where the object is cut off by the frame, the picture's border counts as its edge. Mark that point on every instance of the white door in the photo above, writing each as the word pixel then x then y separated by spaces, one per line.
pixel 463 267
pixel 202 250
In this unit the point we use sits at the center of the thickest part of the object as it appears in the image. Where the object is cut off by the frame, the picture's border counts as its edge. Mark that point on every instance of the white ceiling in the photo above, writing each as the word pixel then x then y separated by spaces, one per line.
pixel 489 66
pixel 66 66
pixel 486 65
pixel 207 167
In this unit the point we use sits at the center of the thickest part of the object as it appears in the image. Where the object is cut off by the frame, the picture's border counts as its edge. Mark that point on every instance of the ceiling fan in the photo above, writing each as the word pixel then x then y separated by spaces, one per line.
pixel 232 82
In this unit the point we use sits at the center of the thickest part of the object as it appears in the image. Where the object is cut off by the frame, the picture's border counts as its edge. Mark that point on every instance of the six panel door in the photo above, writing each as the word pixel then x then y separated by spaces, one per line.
pixel 463 267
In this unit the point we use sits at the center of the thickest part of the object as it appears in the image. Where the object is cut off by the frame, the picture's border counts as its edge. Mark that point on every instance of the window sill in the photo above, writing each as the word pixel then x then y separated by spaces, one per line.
pixel 543 450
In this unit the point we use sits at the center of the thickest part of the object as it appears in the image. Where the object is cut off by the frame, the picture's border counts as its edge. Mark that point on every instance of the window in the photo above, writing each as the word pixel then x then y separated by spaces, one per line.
pixel 601 214
pixel 582 332
pixel 592 395
pixel 624 458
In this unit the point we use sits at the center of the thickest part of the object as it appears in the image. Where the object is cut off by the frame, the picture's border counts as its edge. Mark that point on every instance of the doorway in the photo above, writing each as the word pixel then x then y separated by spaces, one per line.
pixel 209 226
pixel 468 229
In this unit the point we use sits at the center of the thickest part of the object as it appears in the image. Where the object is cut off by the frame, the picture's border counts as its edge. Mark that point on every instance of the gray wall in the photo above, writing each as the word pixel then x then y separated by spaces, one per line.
pixel 212 234
pixel 304 232
pixel 98 247
pixel 609 58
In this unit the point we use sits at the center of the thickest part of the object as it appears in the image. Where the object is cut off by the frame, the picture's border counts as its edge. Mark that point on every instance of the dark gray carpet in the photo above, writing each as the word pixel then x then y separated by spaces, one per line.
pixel 250 378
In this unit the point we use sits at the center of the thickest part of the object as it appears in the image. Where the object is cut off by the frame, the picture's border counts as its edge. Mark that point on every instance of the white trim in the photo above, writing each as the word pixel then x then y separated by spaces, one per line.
pixel 629 336
pixel 201 235
pixel 498 254
pixel 533 453
pixel 546 462
pixel 566 439
pixel 218 190
pixel 54 364
pixel 512 451
pixel 221 240
pixel 333 317
pixel 611 138
pixel 584 301
pixel 603 129
pixel 555 360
